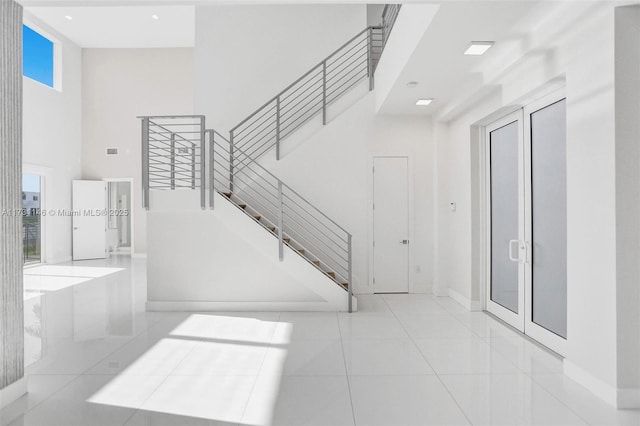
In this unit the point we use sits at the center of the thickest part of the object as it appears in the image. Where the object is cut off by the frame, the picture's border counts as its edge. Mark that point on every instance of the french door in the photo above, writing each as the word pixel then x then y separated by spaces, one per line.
pixel 527 229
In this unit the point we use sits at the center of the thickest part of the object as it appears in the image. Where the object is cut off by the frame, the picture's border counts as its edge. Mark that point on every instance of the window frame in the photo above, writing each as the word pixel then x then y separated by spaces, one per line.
pixel 57 55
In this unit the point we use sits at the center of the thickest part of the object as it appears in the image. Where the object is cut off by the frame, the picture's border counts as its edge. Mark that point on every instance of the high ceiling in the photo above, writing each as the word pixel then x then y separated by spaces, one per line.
pixel 121 26
pixel 437 64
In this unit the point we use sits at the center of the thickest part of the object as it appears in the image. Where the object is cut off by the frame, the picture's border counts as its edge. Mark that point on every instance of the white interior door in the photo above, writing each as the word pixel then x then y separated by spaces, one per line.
pixel 390 225
pixel 89 219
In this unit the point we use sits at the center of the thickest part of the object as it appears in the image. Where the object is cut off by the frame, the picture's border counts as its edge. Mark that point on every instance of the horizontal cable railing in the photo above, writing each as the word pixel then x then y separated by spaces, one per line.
pixel 281 210
pixel 389 16
pixel 173 154
pixel 310 95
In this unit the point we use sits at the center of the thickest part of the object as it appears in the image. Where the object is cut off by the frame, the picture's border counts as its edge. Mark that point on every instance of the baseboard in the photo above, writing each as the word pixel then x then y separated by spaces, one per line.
pixel 57 260
pixel 439 292
pixel 420 289
pixel 599 388
pixel 471 305
pixel 193 306
pixel 628 398
pixel 13 392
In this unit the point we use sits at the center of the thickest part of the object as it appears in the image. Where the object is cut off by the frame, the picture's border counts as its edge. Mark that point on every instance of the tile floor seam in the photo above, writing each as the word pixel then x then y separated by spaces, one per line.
pixel 264 358
pixel 520 371
pixel 47 398
pixel 346 372
pixel 136 410
pixel 526 373
pixel 530 376
pixel 435 372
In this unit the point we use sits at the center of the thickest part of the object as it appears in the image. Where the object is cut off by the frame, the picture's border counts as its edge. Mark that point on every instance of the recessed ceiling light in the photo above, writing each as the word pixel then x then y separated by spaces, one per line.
pixel 412 84
pixel 154 16
pixel 478 47
pixel 68 17
pixel 424 102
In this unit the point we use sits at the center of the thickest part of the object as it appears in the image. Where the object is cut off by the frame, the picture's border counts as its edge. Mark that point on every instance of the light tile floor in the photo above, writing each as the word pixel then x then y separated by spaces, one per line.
pixel 97 358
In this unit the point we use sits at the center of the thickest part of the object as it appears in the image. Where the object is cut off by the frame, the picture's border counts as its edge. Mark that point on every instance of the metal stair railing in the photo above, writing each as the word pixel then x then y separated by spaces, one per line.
pixel 282 211
pixel 389 16
pixel 310 95
pixel 173 154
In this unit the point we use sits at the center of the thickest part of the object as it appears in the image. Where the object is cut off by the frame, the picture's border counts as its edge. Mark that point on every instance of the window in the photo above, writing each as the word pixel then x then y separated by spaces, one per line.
pixel 37 56
pixel 35 198
pixel 24 196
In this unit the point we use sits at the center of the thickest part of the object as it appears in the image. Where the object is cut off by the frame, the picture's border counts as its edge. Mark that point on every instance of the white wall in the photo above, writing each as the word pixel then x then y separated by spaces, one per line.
pixel 241 63
pixel 583 55
pixel 332 169
pixel 117 86
pixel 52 138
pixel 245 55
pixel 221 259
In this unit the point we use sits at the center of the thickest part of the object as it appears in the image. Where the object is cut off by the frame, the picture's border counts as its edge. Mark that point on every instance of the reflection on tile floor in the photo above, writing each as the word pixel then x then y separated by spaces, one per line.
pixel 95 357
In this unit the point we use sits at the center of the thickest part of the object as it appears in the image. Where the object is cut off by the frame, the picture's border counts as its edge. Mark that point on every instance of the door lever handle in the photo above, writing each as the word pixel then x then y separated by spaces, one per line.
pixel 404 242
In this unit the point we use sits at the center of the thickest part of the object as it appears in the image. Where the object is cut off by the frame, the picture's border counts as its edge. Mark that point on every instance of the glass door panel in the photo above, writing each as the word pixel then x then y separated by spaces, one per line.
pixel 549 223
pixel 504 214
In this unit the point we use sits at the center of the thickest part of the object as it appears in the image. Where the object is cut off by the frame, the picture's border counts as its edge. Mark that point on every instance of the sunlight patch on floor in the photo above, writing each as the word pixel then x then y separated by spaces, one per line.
pixel 47 278
pixel 71 271
pixel 215 367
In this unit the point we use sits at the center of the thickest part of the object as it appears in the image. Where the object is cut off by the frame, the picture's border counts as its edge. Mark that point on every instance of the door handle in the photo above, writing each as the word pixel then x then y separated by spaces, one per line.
pixel 511 257
pixel 404 242
pixel 521 245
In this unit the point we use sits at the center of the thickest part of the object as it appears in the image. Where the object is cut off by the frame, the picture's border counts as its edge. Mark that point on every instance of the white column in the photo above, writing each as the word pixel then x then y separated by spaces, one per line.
pixel 11 297
pixel 627 134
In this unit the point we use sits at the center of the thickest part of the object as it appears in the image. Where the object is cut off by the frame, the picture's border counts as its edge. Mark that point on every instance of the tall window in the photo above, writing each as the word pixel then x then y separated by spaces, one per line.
pixel 37 56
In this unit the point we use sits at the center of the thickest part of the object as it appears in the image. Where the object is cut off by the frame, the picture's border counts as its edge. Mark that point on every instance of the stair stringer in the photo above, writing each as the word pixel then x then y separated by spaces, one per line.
pixel 193 280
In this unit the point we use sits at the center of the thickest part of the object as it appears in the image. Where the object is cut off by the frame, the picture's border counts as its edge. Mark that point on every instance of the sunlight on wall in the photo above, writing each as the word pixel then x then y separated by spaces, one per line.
pixel 217 367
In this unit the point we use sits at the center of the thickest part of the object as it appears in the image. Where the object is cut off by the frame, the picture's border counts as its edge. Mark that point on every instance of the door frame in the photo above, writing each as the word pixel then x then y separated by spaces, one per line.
pixel 370 225
pixel 46 189
pixel 514 320
pixel 131 207
pixel 528 327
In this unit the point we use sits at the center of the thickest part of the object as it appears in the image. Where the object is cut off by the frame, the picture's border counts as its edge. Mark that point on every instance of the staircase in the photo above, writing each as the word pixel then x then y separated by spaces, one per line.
pixel 180 153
